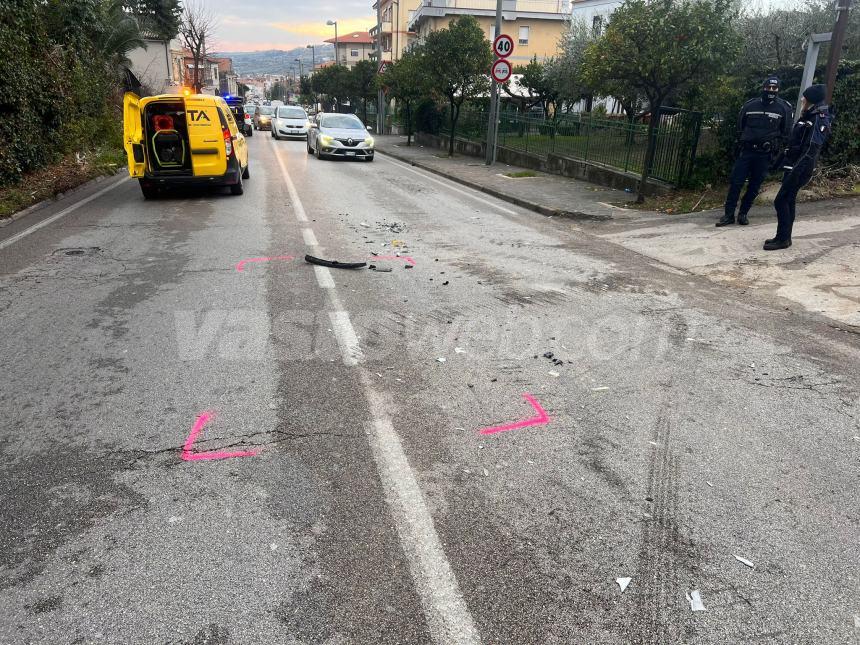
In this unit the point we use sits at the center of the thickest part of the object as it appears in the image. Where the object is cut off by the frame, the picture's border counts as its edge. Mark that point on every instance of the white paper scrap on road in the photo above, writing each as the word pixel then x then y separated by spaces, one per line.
pixel 623 582
pixel 600 389
pixel 695 601
pixel 744 560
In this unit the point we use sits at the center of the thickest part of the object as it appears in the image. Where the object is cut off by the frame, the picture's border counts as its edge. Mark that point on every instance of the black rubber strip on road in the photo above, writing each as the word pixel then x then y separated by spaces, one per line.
pixel 334 264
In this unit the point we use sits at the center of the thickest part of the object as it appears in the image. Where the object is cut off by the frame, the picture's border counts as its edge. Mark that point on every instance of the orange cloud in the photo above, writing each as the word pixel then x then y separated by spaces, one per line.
pixel 322 31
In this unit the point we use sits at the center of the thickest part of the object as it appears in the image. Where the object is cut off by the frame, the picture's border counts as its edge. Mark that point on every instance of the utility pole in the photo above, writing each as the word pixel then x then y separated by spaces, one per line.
pixel 380 95
pixel 836 43
pixel 313 58
pixel 492 121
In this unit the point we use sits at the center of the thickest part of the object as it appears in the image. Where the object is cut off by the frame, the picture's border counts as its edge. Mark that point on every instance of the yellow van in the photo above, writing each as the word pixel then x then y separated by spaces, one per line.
pixel 177 140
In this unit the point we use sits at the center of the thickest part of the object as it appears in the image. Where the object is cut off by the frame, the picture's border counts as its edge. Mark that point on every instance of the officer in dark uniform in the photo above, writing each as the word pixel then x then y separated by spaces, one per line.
pixel 764 123
pixel 808 136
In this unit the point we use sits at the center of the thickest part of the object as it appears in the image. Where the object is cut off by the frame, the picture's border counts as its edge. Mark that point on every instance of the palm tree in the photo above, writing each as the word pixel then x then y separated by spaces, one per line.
pixel 119 35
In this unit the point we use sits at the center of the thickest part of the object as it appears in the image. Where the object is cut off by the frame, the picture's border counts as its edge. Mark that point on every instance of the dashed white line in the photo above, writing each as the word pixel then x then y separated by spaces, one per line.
pixel 53 218
pixel 346 337
pixel 298 208
pixel 324 278
pixel 447 184
pixel 309 237
pixel 447 614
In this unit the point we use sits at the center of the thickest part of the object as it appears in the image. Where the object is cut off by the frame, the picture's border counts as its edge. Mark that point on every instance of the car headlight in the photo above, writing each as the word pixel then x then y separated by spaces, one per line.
pixel 369 141
pixel 326 140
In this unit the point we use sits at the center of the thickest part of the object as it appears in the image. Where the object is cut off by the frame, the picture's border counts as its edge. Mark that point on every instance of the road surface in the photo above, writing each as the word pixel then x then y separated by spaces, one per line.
pixel 207 440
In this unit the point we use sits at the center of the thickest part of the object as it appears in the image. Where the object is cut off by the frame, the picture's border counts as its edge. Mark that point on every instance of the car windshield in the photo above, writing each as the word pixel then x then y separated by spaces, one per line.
pixel 265 111
pixel 342 122
pixel 291 113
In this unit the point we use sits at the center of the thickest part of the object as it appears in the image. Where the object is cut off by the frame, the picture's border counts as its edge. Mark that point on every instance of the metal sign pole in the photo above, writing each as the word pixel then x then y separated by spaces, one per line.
pixel 494 99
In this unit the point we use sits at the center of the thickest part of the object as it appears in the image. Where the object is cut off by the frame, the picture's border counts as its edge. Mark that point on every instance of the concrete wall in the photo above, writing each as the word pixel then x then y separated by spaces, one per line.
pixel 553 164
pixel 153 65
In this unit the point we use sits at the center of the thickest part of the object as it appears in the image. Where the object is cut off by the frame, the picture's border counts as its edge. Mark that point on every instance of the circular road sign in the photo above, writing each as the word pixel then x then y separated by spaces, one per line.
pixel 502 70
pixel 503 46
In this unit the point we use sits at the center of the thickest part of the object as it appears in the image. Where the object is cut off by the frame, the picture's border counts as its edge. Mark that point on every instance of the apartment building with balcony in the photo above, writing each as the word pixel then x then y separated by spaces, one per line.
pixel 395 33
pixel 535 25
pixel 352 48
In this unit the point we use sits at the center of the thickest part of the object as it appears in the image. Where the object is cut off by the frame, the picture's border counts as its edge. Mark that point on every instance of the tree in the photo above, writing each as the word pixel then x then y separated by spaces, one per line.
pixel 407 81
pixel 334 82
pixel 539 87
pixel 119 35
pixel 197 28
pixel 565 73
pixel 460 61
pixel 159 19
pixel 659 48
pixel 362 83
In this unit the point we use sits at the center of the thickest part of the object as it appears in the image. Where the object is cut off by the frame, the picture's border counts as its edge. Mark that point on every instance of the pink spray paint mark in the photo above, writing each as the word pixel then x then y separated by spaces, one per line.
pixel 541 419
pixel 405 258
pixel 240 266
pixel 188 455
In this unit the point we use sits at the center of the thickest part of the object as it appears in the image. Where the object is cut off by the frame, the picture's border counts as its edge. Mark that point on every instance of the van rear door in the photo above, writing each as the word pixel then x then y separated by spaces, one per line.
pixel 206 139
pixel 133 134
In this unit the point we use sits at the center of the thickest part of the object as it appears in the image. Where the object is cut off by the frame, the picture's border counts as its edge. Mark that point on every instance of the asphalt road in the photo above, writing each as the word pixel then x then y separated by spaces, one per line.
pixel 197 449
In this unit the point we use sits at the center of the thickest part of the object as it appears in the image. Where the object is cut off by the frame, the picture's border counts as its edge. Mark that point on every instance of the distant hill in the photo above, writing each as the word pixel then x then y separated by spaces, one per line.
pixel 276 61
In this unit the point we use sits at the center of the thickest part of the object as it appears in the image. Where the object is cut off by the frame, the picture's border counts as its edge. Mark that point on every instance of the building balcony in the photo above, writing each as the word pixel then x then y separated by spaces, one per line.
pixel 512 9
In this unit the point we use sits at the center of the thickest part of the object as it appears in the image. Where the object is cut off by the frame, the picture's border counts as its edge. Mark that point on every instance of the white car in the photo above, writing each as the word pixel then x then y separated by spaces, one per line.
pixel 290 121
pixel 340 135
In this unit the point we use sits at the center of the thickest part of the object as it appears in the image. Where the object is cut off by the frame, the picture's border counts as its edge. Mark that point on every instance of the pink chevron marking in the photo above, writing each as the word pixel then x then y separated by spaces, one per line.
pixel 240 266
pixel 541 419
pixel 188 455
pixel 405 258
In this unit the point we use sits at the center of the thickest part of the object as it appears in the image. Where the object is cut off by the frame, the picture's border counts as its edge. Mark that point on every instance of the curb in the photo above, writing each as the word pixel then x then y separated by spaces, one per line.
pixel 6 221
pixel 548 211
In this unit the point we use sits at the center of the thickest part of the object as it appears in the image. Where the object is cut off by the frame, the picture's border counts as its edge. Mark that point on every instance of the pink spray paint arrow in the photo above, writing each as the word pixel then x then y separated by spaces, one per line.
pixel 541 419
pixel 406 258
pixel 188 455
pixel 240 266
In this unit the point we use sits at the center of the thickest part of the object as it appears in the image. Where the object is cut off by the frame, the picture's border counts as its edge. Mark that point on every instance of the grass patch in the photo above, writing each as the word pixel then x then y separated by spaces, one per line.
pixel 521 173
pixel 70 172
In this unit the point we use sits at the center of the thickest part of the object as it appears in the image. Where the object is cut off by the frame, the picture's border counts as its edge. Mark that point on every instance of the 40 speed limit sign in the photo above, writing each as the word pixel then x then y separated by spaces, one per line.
pixel 501 70
pixel 503 46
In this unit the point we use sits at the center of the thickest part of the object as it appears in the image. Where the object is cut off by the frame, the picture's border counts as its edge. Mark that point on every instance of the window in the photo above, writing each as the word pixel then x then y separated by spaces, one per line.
pixel 524 35
pixel 354 53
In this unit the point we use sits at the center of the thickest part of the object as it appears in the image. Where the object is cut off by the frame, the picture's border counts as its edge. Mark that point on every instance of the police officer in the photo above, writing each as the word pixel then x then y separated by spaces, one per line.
pixel 808 136
pixel 763 123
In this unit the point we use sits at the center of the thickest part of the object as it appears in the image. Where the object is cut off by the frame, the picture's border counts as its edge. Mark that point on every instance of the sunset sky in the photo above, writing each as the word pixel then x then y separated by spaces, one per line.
pixel 268 24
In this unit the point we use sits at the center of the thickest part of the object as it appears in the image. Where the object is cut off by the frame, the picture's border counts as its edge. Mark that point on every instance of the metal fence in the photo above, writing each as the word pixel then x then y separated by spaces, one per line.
pixel 597 139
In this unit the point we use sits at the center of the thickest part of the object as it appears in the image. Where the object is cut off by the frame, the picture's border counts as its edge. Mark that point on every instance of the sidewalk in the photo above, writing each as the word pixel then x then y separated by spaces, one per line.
pixel 544 193
pixel 819 273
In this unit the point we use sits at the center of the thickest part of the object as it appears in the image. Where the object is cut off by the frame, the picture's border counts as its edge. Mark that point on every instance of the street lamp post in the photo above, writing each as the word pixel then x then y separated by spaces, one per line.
pixel 301 68
pixel 313 58
pixel 334 23
pixel 380 96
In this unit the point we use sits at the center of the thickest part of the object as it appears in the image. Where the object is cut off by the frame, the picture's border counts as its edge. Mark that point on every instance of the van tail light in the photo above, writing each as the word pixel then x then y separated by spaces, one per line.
pixel 247 116
pixel 228 143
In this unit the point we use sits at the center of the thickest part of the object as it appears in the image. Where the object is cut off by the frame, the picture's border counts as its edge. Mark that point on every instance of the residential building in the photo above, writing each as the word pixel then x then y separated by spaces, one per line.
pixel 396 36
pixel 153 67
pixel 353 47
pixel 594 13
pixel 535 25
pixel 228 79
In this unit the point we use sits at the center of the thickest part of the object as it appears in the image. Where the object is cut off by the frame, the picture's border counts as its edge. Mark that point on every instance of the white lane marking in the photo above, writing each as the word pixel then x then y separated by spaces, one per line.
pixel 309 237
pixel 346 338
pixel 298 208
pixel 53 218
pixel 324 278
pixel 448 184
pixel 447 614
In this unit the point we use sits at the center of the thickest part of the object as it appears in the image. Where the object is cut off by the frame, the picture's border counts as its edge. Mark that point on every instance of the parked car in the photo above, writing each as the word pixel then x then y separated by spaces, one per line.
pixel 263 117
pixel 177 140
pixel 290 121
pixel 339 135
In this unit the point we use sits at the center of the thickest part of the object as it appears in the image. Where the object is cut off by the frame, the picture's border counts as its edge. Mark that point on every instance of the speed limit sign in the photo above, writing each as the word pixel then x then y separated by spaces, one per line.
pixel 503 46
pixel 501 70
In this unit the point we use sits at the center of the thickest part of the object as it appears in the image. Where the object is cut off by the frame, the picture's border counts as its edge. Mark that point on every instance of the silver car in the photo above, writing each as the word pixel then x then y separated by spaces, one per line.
pixel 290 121
pixel 339 135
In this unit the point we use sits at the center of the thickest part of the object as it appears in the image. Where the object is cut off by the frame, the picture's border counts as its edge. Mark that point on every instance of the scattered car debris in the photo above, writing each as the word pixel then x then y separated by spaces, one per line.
pixel 695 601
pixel 334 264
pixel 373 267
pixel 623 582
pixel 553 373
pixel 365 224
pixel 459 350
pixel 441 359
pixel 600 389
pixel 408 266
pixel 744 561
pixel 709 484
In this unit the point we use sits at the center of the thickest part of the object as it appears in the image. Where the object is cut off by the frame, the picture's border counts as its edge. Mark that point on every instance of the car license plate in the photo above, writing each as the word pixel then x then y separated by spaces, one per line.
pixel 350 153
